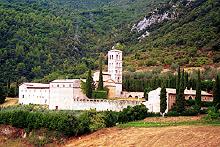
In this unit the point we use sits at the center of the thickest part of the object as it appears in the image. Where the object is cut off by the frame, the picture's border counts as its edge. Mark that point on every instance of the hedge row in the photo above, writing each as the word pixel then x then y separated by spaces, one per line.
pixel 99 94
pixel 68 123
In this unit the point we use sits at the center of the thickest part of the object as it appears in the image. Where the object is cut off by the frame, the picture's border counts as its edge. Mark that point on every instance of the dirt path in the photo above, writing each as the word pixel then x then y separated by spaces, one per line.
pixel 164 136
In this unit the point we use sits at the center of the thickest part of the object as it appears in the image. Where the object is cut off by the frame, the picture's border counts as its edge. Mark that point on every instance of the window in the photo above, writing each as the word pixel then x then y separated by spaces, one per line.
pixel 116 56
pixel 69 85
pixel 22 96
pixel 63 85
pixel 57 85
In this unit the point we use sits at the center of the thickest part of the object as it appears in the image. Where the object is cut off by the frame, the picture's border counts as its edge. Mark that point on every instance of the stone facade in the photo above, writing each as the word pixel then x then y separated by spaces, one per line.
pixel 126 94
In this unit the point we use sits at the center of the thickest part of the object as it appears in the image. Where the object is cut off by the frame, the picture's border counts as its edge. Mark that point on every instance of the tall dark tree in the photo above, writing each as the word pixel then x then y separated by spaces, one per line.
pixel 186 80
pixel 178 86
pixel 198 90
pixel 163 99
pixel 216 92
pixel 89 83
pixel 180 99
pixel 100 84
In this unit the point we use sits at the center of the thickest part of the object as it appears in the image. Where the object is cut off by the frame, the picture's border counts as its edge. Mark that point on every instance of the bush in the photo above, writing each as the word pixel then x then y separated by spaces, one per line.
pixel 67 122
pixel 190 102
pixel 212 114
pixel 137 112
pixel 111 118
pixel 99 94
pixel 207 104
pixel 172 113
pixel 193 111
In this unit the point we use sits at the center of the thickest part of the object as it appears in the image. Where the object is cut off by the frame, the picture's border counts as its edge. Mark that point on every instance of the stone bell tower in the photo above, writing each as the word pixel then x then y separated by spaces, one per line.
pixel 115 69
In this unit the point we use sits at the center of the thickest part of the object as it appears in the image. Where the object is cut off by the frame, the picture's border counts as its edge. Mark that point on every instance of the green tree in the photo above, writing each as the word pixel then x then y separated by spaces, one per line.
pixel 198 90
pixel 216 92
pixel 180 99
pixel 100 84
pixel 186 80
pixel 89 83
pixel 163 100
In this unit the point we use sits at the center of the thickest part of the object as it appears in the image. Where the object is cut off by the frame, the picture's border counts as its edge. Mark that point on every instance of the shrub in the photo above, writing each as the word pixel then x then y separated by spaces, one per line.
pixel 172 113
pixel 99 94
pixel 111 118
pixel 137 112
pixel 66 122
pixel 190 102
pixel 193 111
pixel 212 114
pixel 152 114
pixel 207 104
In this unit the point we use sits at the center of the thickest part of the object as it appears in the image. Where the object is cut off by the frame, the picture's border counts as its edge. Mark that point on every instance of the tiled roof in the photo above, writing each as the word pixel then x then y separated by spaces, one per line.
pixel 39 85
pixel 186 91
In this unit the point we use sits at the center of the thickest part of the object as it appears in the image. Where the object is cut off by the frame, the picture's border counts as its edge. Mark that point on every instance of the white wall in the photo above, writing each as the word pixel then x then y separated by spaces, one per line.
pixel 98 104
pixel 33 95
pixel 63 95
pixel 153 103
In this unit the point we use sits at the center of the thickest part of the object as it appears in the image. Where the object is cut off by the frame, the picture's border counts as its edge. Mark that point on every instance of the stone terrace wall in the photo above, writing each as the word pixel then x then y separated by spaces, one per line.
pixel 98 104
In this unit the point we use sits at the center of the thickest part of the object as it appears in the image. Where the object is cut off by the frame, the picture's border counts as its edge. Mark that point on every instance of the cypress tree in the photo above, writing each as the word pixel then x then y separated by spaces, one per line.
pixel 146 94
pixel 177 88
pixel 180 98
pixel 198 90
pixel 100 84
pixel 216 93
pixel 163 99
pixel 186 80
pixel 89 82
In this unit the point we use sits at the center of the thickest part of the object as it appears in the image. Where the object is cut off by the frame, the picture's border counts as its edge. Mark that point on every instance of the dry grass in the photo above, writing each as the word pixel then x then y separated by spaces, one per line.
pixel 173 119
pixel 166 136
pixel 172 136
pixel 10 102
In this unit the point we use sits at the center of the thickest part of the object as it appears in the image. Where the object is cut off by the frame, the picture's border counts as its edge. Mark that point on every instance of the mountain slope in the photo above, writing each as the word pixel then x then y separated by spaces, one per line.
pixel 62 38
pixel 191 39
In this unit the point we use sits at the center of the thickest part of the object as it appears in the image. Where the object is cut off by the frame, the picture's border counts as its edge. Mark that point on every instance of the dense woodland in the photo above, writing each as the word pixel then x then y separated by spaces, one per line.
pixel 42 40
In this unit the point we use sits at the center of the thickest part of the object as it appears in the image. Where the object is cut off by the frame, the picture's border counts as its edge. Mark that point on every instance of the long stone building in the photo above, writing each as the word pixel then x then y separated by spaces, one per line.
pixel 66 94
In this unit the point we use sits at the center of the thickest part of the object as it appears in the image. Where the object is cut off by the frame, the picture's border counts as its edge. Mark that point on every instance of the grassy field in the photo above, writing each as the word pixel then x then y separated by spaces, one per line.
pixel 166 124
pixel 171 121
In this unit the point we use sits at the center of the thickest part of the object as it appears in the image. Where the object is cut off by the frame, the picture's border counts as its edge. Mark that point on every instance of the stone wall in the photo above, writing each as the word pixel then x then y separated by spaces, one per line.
pixel 126 94
pixel 98 104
